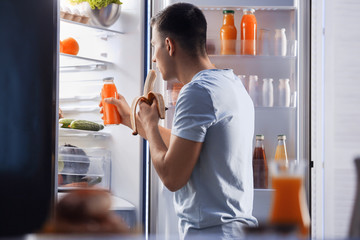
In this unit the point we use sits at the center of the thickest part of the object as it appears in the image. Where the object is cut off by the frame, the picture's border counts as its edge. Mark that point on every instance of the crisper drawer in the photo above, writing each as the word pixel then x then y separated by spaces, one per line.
pixel 83 167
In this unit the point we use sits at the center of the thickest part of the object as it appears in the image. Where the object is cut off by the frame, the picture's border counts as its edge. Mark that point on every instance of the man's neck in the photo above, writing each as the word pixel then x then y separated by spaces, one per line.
pixel 187 67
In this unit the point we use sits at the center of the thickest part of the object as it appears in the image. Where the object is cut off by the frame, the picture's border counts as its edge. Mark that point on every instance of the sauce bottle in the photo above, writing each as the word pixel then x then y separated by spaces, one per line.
pixel 248 32
pixel 281 154
pixel 110 113
pixel 260 167
pixel 228 33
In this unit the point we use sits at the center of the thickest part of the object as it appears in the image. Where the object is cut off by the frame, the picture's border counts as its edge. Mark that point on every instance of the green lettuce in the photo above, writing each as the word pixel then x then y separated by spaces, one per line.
pixel 96 3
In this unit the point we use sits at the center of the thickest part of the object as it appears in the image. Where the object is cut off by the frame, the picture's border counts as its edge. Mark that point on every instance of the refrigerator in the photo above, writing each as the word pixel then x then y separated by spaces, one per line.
pixel 122 51
pixel 270 121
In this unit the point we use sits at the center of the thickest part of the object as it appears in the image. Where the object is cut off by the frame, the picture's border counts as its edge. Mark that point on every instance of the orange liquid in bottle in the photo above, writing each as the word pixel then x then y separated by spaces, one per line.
pixel 110 113
pixel 289 206
pixel 228 34
pixel 248 33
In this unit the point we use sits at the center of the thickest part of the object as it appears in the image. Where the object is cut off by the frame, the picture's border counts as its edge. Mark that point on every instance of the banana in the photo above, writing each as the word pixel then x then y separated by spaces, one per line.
pixel 148 97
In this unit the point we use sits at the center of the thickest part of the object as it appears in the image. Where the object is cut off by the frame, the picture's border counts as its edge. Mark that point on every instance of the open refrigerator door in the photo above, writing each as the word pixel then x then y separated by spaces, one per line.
pixel 109 158
pixel 273 115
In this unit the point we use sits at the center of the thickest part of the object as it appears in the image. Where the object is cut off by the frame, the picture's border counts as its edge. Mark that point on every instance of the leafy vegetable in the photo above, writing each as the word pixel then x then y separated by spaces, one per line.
pixel 96 3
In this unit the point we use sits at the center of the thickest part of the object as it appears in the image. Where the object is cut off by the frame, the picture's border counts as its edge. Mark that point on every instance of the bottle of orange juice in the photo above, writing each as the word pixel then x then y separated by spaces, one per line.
pixel 248 32
pixel 110 113
pixel 281 153
pixel 228 33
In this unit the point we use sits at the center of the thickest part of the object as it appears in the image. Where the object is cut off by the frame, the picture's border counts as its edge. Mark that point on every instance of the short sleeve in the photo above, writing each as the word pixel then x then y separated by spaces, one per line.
pixel 194 113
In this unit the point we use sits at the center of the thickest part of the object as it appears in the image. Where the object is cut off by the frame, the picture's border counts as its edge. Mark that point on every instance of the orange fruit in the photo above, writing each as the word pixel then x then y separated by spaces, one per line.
pixel 70 46
pixel 61 47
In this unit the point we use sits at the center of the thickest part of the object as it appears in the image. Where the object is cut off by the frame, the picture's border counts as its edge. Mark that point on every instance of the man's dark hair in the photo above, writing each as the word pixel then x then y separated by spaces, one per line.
pixel 186 24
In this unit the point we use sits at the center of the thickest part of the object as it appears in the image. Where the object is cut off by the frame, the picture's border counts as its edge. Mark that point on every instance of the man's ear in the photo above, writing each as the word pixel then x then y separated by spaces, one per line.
pixel 170 46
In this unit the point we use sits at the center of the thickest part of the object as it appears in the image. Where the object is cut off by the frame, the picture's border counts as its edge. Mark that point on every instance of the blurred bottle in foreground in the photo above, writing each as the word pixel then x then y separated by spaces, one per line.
pixel 260 168
pixel 289 206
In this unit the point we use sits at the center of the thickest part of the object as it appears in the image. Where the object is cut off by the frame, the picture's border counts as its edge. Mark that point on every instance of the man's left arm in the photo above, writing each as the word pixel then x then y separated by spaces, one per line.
pixel 174 164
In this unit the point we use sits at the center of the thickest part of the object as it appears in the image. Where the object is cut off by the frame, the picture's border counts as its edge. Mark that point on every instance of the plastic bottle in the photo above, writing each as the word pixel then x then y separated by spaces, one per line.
pixel 110 113
pixel 254 90
pixel 260 167
pixel 280 42
pixel 228 33
pixel 281 153
pixel 268 92
pixel 248 32
pixel 263 42
pixel 284 92
pixel 244 81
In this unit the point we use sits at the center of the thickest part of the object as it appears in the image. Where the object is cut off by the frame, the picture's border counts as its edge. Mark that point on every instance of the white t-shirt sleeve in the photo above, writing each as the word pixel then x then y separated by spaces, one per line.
pixel 194 113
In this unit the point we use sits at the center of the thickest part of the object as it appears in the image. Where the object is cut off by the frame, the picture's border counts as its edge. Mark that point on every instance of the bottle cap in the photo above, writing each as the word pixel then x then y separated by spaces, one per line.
pixel 260 137
pixel 281 137
pixel 248 10
pixel 228 11
pixel 108 79
pixel 251 77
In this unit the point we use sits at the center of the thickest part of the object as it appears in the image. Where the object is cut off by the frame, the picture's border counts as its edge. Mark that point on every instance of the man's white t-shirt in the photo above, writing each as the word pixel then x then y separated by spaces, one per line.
pixel 214 108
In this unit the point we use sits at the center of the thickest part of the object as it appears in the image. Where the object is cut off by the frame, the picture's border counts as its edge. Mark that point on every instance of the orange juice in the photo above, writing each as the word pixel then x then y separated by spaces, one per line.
pixel 228 34
pixel 110 113
pixel 248 32
pixel 289 203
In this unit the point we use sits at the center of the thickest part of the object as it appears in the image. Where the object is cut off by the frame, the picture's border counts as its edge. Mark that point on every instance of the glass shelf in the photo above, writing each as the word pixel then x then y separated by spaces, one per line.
pixel 72 63
pixel 275 108
pixel 257 57
pixel 80 109
pixel 258 4
pixel 68 132
pixel 102 31
pixel 81 98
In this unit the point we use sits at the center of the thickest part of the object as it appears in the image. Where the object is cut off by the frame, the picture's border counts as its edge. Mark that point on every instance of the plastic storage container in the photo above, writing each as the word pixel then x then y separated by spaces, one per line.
pixel 83 167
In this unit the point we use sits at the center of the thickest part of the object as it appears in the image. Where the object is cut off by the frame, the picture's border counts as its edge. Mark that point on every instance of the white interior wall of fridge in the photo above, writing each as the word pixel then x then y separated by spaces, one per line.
pixel 270 121
pixel 118 54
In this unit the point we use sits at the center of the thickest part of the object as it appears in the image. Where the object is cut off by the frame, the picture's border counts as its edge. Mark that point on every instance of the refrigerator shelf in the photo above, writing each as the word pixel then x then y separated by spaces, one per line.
pixel 81 98
pixel 257 57
pixel 80 109
pixel 101 31
pixel 275 4
pixel 67 132
pixel 74 63
pixel 275 108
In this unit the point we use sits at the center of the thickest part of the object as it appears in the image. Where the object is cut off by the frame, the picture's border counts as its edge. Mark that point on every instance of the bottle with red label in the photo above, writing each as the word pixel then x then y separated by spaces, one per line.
pixel 110 113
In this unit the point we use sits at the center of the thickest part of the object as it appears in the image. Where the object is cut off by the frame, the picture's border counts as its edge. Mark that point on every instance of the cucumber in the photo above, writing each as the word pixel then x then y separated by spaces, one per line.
pixel 85 125
pixel 65 122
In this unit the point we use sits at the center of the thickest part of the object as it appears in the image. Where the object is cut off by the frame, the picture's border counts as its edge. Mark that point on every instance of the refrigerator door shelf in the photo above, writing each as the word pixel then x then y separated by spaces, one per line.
pixel 78 64
pixel 101 31
pixel 67 132
pixel 80 109
pixel 81 98
pixel 275 4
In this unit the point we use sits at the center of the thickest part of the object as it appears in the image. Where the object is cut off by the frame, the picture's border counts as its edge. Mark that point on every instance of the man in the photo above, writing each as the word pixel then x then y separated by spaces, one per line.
pixel 206 158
